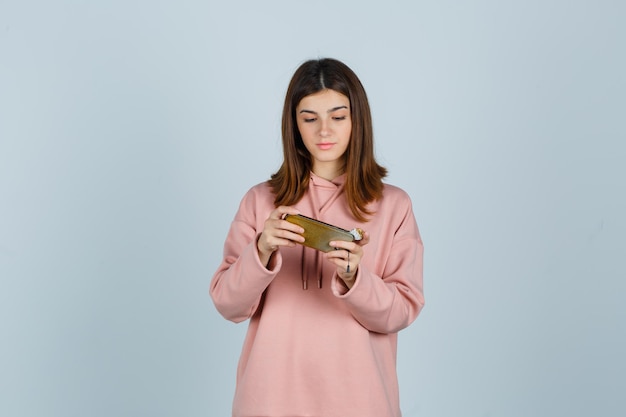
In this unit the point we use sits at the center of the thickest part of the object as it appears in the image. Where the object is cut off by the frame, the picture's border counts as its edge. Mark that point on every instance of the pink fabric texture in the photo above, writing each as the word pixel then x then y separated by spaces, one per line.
pixel 329 351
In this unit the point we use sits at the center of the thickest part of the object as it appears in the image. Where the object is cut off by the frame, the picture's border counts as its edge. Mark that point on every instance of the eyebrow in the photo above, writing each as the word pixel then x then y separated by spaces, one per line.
pixel 329 111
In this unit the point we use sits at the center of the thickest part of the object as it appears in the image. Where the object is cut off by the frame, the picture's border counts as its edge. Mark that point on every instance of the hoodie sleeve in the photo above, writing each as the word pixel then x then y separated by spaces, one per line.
pixel 391 302
pixel 239 282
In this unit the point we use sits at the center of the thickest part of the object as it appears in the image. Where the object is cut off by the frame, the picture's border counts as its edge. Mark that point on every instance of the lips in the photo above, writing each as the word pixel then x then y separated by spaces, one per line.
pixel 325 146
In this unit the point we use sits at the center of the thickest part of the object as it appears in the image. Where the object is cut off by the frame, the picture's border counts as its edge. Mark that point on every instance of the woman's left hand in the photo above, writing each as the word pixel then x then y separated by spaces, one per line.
pixel 347 257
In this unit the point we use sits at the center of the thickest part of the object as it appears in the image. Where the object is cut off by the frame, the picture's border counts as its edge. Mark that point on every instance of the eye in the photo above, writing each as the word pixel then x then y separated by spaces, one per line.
pixel 339 118
pixel 309 120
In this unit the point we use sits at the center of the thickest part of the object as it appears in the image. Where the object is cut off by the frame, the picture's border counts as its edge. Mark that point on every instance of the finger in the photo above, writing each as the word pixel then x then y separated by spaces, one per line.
pixel 284 225
pixel 284 242
pixel 341 258
pixel 291 232
pixel 280 237
pixel 342 244
pixel 365 240
pixel 281 211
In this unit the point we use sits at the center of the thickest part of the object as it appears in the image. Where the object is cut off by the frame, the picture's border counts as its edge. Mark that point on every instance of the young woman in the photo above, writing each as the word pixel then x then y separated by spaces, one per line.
pixel 329 349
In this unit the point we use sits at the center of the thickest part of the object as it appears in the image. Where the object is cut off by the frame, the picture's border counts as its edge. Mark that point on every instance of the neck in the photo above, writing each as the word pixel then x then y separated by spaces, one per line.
pixel 327 172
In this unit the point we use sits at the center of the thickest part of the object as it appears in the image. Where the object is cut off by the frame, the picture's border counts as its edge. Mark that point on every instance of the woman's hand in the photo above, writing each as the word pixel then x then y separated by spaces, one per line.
pixel 347 257
pixel 278 232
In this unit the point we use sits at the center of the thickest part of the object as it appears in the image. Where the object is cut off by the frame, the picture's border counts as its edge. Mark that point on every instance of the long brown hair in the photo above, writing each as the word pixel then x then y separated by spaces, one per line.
pixel 363 174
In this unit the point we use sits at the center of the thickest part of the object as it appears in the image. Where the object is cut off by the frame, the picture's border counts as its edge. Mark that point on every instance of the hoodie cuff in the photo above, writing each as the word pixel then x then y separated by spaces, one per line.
pixel 340 289
pixel 275 262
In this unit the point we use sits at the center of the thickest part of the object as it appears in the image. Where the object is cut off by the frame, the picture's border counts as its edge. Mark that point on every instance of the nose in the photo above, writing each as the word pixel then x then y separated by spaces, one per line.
pixel 325 130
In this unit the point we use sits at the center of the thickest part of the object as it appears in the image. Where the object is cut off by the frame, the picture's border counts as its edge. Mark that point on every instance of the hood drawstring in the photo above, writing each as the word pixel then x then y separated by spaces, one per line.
pixel 320 269
pixel 303 274
pixel 317 261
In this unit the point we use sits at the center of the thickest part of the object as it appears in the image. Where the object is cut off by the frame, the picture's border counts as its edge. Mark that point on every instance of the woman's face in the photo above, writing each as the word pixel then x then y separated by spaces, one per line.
pixel 325 125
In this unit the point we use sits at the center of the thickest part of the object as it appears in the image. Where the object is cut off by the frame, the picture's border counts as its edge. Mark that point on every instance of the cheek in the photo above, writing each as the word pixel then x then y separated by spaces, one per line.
pixel 347 132
pixel 303 133
pixel 308 132
pixel 301 126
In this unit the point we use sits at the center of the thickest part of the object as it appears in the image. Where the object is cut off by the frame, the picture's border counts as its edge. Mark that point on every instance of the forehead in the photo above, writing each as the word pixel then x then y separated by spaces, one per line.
pixel 324 100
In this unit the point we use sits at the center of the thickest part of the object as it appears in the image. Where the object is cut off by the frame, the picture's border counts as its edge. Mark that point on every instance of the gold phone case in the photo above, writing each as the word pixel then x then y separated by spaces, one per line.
pixel 318 234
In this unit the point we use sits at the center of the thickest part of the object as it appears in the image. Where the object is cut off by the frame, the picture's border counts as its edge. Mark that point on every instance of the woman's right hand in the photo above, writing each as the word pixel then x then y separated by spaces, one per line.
pixel 278 232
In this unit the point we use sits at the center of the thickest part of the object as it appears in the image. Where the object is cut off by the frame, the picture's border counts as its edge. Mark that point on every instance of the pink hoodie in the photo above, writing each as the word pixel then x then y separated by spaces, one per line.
pixel 323 352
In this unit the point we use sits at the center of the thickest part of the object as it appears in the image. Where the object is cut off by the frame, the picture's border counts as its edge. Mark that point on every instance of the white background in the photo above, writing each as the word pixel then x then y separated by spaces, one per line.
pixel 129 131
